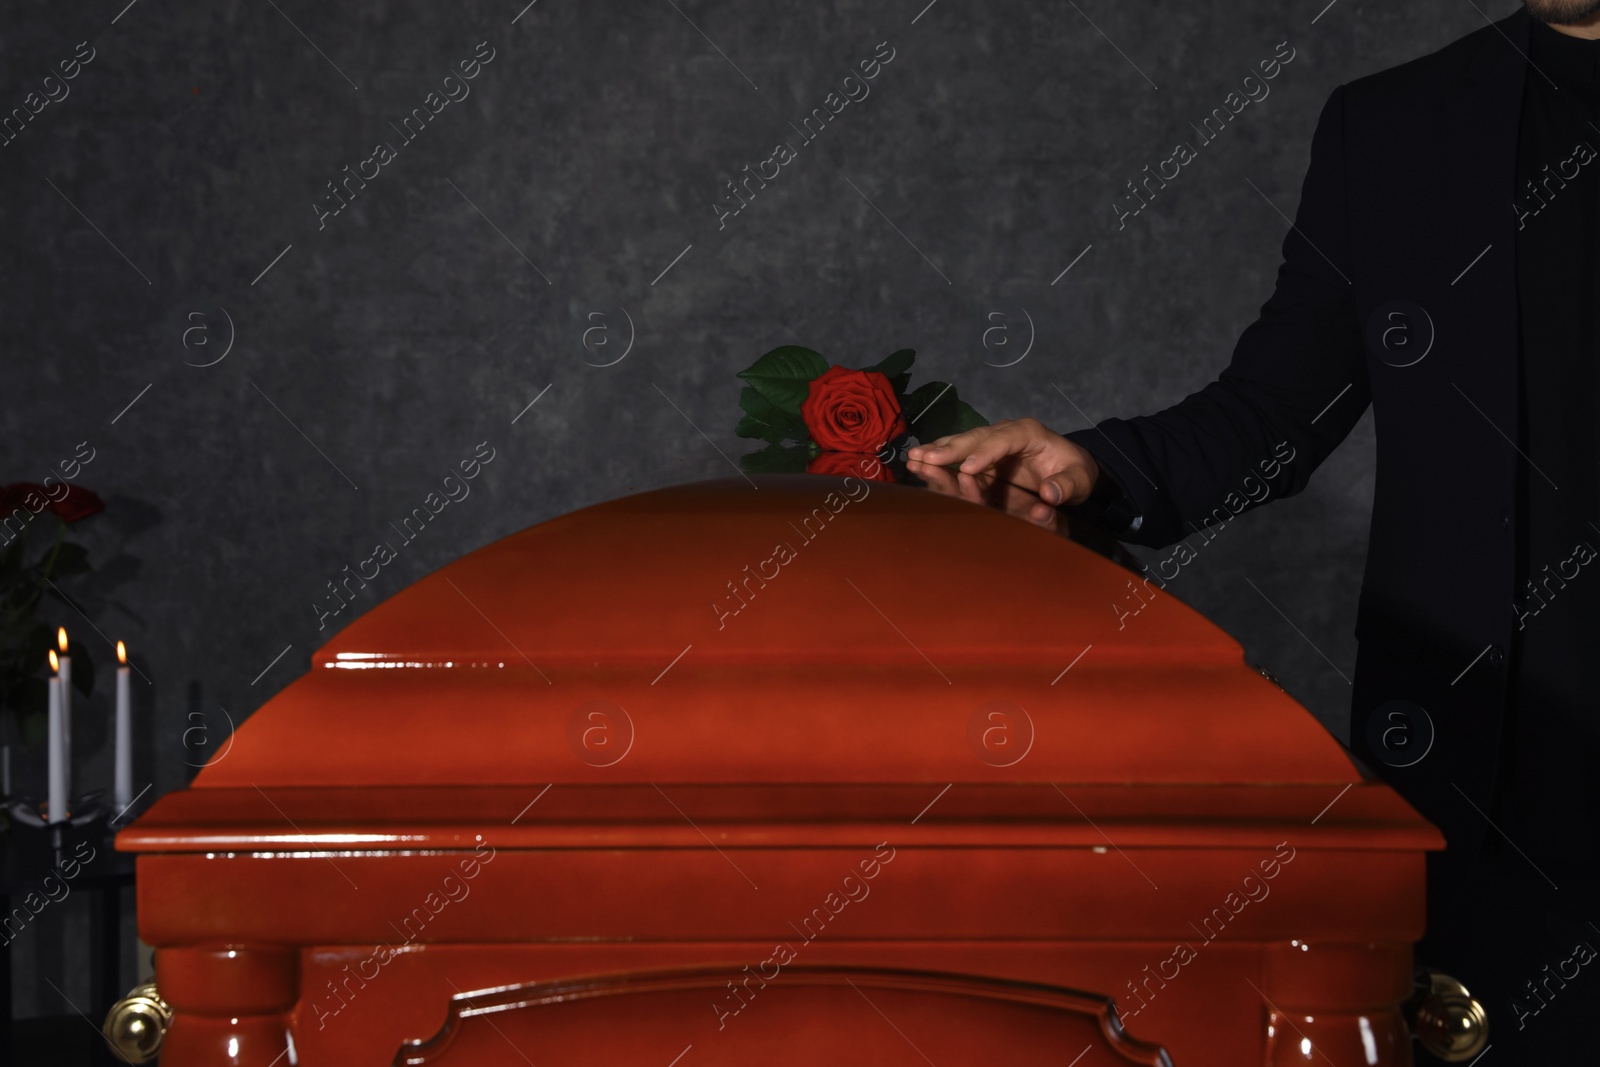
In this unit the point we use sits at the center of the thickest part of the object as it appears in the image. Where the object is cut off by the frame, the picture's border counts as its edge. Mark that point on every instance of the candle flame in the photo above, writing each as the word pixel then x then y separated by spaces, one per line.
pixel 61 639
pixel 55 664
pixel 122 652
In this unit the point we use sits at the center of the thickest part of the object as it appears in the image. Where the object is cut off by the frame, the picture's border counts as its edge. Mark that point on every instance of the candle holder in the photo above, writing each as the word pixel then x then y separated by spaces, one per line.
pixel 33 812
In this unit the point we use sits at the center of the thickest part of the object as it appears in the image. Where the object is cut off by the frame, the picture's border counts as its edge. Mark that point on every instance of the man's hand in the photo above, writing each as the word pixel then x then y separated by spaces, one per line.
pixel 990 491
pixel 1020 451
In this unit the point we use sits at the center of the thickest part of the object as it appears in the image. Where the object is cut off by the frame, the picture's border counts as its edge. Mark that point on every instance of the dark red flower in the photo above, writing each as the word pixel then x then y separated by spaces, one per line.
pixel 26 496
pixel 78 503
pixel 850 465
pixel 13 497
pixel 73 504
pixel 852 410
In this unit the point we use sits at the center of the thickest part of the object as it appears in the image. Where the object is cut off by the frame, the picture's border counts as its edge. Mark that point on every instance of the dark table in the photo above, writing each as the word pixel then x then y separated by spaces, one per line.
pixel 39 869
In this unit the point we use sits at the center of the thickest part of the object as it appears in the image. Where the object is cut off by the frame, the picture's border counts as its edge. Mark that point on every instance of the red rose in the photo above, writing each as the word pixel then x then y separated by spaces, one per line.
pixel 852 410
pixel 850 465
pixel 74 504
pixel 24 495
pixel 79 503
pixel 13 497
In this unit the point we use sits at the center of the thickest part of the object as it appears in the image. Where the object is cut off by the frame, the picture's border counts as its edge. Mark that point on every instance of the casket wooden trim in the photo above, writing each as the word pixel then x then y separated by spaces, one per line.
pixel 987 1010
pixel 641 779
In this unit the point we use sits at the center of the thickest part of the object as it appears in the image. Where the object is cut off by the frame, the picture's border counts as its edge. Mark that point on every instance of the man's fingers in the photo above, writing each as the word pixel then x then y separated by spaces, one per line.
pixel 952 448
pixel 1058 471
pixel 946 482
pixel 991 448
pixel 922 451
pixel 938 479
pixel 949 449
pixel 1070 486
pixel 1044 515
pixel 970 489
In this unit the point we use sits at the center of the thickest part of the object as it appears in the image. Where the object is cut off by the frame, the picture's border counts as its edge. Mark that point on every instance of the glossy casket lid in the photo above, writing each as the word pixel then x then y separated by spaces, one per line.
pixel 587 649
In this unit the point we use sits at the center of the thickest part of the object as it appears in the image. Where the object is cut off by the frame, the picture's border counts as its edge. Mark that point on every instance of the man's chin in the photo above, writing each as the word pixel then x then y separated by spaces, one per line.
pixel 1563 12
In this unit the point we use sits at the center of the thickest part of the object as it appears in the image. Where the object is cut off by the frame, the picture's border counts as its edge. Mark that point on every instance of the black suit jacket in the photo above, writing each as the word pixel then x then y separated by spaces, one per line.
pixel 1397 289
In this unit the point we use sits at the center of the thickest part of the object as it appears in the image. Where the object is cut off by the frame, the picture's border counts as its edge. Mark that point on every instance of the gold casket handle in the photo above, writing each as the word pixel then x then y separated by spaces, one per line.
pixel 1450 1023
pixel 136 1024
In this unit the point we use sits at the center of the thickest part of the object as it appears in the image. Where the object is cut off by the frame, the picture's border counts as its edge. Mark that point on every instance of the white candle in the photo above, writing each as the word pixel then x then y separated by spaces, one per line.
pixel 122 789
pixel 66 707
pixel 58 755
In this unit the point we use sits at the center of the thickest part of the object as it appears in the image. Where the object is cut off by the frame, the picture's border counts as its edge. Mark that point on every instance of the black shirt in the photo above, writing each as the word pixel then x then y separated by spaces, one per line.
pixel 1558 188
pixel 1552 750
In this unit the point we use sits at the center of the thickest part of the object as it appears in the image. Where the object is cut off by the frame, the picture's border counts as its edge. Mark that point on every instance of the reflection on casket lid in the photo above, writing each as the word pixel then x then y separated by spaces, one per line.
pixel 864 657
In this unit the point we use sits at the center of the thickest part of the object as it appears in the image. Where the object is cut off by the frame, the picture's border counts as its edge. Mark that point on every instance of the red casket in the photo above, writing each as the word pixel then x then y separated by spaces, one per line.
pixel 805 770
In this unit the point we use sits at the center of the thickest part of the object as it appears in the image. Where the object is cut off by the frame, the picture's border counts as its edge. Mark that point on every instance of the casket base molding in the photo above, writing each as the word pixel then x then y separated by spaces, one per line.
pixel 1235 1004
pixel 239 1009
pixel 1023 1021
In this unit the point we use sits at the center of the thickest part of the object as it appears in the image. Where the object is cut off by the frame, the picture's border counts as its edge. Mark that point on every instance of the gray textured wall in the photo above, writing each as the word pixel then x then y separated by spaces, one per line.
pixel 456 287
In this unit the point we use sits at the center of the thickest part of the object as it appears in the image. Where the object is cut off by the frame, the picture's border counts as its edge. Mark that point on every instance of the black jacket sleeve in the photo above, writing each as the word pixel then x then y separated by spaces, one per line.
pixel 1296 386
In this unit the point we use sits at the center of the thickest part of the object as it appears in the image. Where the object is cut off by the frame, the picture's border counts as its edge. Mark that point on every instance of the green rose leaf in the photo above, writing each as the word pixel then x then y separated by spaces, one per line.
pixel 765 421
pixel 783 376
pixel 71 558
pixel 939 412
pixel 897 368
